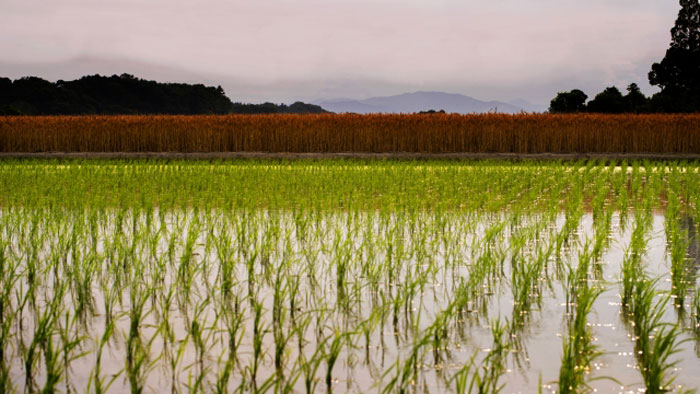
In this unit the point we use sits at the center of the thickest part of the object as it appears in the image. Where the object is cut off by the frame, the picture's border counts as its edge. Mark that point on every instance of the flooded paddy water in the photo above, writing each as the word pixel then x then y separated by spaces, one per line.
pixel 491 277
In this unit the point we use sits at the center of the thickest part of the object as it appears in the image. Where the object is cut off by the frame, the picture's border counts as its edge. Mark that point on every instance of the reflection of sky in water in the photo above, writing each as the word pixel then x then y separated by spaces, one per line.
pixel 611 336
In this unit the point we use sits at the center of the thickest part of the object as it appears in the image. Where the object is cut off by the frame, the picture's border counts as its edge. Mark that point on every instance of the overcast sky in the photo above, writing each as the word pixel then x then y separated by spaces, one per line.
pixel 283 50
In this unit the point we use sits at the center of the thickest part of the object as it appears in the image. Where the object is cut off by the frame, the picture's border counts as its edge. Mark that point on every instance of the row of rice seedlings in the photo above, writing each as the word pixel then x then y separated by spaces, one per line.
pixel 579 351
pixel 529 248
pixel 8 277
pixel 632 265
pixel 404 372
pixel 526 285
pixel 678 242
pixel 655 341
pixel 696 319
pixel 573 212
pixel 485 377
pixel 487 269
pixel 602 211
pixel 350 185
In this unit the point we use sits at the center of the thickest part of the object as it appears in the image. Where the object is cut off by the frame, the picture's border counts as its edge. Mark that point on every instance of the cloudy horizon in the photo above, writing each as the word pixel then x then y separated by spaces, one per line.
pixel 308 50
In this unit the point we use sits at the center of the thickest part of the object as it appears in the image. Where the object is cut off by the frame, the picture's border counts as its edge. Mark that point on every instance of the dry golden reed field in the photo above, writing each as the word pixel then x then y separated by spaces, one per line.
pixel 330 133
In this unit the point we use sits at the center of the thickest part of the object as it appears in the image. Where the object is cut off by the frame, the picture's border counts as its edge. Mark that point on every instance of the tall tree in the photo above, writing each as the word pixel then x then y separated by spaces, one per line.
pixel 565 102
pixel 678 74
pixel 635 101
pixel 609 101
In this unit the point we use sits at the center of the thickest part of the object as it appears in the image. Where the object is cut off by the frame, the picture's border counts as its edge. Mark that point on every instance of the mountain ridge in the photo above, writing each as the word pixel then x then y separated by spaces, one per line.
pixel 426 100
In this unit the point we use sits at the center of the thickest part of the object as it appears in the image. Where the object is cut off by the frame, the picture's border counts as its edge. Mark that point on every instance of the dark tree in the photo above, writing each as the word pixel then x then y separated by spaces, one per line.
pixel 678 74
pixel 125 94
pixel 609 101
pixel 5 86
pixel 303 108
pixel 567 102
pixel 272 108
pixel 635 101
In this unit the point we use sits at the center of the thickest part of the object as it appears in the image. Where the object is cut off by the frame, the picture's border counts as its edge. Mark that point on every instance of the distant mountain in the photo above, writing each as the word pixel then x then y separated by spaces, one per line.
pixel 424 101
pixel 528 106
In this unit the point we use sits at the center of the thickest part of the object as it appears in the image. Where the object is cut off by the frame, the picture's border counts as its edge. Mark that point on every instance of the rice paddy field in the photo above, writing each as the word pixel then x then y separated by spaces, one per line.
pixel 349 276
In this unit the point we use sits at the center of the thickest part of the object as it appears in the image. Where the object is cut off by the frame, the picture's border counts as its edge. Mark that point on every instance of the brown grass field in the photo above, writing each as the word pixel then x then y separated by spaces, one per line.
pixel 431 134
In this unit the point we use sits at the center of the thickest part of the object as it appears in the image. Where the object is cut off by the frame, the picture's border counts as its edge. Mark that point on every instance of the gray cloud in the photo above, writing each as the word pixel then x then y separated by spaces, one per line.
pixel 304 49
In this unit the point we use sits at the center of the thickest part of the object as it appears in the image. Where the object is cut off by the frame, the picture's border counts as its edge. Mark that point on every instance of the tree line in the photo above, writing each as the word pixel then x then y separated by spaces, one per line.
pixel 677 75
pixel 125 94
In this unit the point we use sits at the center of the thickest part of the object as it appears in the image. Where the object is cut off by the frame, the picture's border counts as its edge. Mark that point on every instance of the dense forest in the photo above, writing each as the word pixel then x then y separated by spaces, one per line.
pixel 125 94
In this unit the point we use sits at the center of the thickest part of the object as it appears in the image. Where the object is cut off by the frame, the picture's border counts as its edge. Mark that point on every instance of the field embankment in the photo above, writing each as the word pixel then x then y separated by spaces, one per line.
pixel 385 134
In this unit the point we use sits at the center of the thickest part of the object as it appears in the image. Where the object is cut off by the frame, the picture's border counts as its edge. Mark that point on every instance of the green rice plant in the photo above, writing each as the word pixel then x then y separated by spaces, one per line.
pixel 623 204
pixel 696 306
pixel 225 254
pixel 677 247
pixel 695 319
pixel 332 353
pixel 84 277
pixel 234 327
pixel 279 318
pixel 224 376
pixel 632 268
pixel 655 341
pixel 8 278
pixel 485 378
pixel 579 352
pixel 98 382
pixel 406 371
pixel 681 283
pixel 602 217
pixel 42 341
pixel 201 335
pixel 368 326
pixel 573 213
pixel 461 378
pixel 259 331
pixel 526 291
pixel 138 361
pixel 59 364
pixel 494 365
pixel 174 359
pixel 341 263
pixel 250 262
pixel 52 363
pixel 188 265
pixel 310 365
